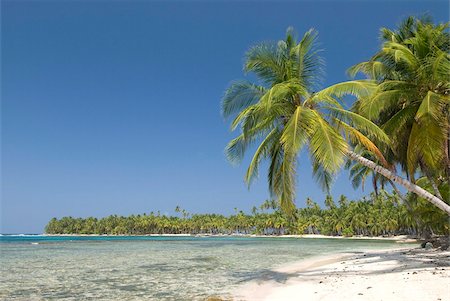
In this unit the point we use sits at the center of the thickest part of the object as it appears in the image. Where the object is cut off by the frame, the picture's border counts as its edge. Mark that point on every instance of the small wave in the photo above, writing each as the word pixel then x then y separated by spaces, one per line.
pixel 34 243
pixel 6 235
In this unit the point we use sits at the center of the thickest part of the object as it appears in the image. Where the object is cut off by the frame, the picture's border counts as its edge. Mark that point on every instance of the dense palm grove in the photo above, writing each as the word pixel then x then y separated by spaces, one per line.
pixel 382 214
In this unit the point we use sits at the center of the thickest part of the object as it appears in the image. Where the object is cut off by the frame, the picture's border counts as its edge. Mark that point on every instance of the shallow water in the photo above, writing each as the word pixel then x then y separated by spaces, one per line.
pixel 148 268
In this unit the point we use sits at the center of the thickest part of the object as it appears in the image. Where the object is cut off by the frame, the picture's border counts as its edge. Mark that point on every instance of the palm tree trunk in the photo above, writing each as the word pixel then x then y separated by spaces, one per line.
pixel 397 179
pixel 400 195
pixel 447 158
pixel 406 202
pixel 435 187
pixel 375 184
pixel 431 180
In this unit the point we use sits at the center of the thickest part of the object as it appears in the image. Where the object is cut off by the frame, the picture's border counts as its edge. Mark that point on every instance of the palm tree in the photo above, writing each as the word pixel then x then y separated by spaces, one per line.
pixel 329 203
pixel 284 114
pixel 411 102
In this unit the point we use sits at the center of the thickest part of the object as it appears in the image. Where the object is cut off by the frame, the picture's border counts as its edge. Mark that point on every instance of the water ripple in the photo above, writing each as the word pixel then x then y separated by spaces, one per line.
pixel 158 269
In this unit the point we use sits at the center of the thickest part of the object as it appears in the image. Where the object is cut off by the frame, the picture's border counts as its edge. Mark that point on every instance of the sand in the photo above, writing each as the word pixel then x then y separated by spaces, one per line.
pixel 401 274
pixel 397 238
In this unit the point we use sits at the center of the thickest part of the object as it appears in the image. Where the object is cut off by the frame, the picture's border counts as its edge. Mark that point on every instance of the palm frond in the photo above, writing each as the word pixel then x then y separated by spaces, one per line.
pixel 245 113
pixel 308 64
pixel 239 96
pixel 263 60
pixel 399 121
pixel 434 105
pixel 297 130
pixel 401 53
pixel 323 177
pixel 235 149
pixel 372 69
pixel 372 107
pixel 287 91
pixel 359 175
pixel 287 176
pixel 441 66
pixel 326 145
pixel 362 139
pixel 254 119
pixel 261 152
pixel 357 88
pixel 426 145
pixel 359 122
pixel 276 158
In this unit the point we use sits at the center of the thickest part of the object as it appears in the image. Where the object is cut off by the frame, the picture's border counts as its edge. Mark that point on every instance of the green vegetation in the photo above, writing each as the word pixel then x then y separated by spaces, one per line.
pixel 376 215
pixel 412 96
pixel 400 116
pixel 411 100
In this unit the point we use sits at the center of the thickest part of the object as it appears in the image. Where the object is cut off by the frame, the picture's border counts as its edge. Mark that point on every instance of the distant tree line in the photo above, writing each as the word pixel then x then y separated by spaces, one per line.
pixel 378 214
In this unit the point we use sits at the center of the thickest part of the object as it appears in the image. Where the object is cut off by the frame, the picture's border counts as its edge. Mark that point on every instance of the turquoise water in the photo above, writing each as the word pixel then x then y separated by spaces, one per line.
pixel 148 267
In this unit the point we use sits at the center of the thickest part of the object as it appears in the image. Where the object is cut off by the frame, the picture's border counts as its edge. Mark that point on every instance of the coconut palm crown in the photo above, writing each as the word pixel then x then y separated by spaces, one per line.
pixel 282 114
pixel 412 100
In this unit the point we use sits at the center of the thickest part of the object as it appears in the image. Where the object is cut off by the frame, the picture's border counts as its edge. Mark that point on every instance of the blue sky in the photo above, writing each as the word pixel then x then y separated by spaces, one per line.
pixel 114 107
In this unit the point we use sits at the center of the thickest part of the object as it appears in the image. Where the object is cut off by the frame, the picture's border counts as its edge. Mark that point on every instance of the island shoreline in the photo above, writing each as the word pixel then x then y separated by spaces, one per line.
pixel 396 238
pixel 390 274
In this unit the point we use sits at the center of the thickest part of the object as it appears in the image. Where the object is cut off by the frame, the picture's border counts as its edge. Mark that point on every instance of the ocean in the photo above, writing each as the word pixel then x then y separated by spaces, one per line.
pixel 36 267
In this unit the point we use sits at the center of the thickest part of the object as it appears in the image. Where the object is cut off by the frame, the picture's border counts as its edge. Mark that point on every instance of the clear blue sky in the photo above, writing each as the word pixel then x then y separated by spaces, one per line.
pixel 113 107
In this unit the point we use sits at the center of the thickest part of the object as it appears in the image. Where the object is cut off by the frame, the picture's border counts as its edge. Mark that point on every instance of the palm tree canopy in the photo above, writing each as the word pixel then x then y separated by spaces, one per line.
pixel 411 101
pixel 282 114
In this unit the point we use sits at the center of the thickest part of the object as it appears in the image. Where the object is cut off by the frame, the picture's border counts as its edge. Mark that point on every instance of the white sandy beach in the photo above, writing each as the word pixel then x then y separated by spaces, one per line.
pixel 397 238
pixel 401 274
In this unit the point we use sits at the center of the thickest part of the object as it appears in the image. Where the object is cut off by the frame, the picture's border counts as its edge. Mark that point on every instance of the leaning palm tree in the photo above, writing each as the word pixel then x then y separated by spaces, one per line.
pixel 284 114
pixel 412 99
